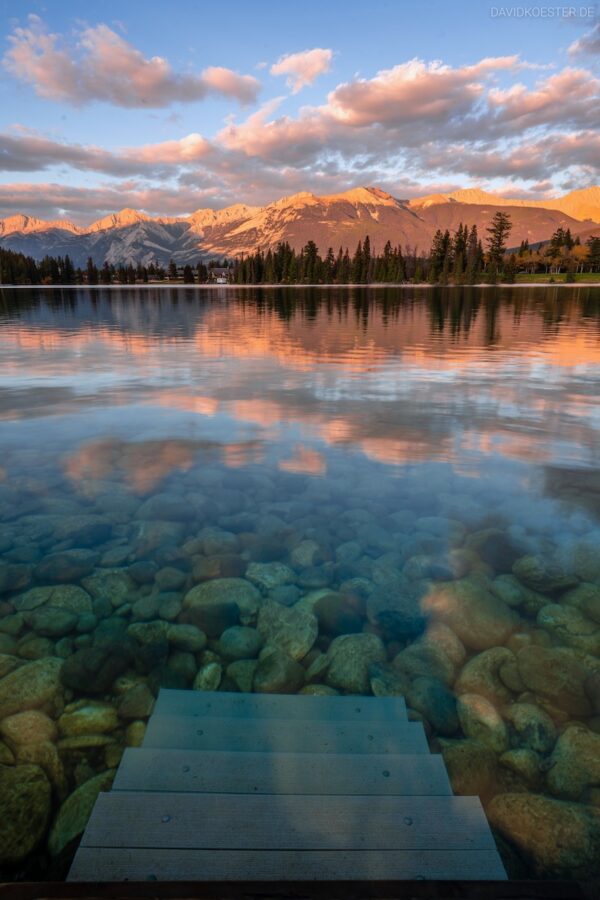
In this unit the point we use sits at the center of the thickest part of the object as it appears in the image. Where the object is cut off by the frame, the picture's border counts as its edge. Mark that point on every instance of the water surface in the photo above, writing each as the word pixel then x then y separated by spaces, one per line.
pixel 417 468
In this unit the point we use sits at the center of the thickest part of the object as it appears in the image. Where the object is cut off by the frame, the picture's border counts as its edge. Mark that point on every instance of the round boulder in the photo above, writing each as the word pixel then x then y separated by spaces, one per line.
pixel 25 796
pixel 480 619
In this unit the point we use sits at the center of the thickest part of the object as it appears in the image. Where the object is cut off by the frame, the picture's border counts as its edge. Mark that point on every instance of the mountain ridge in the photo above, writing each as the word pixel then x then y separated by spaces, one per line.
pixel 331 220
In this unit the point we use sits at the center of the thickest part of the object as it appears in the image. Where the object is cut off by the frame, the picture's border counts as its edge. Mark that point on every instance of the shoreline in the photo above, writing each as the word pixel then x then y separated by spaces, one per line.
pixel 371 286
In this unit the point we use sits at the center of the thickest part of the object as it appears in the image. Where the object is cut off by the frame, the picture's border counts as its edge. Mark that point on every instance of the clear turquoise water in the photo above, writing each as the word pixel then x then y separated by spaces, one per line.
pixel 412 455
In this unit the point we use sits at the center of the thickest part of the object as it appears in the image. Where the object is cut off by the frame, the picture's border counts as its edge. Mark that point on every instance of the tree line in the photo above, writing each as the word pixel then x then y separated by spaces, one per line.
pixel 458 258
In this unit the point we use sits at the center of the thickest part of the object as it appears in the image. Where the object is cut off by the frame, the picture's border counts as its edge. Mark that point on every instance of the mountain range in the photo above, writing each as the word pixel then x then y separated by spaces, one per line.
pixel 335 220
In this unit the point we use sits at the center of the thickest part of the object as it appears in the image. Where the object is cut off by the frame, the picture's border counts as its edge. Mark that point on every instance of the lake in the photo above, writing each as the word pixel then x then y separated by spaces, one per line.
pixel 188 476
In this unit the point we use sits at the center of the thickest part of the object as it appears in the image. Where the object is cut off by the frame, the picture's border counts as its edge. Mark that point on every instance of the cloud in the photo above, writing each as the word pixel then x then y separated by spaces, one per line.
pixel 568 97
pixel 407 127
pixel 26 151
pixel 414 91
pixel 103 66
pixel 588 43
pixel 83 205
pixel 526 160
pixel 303 68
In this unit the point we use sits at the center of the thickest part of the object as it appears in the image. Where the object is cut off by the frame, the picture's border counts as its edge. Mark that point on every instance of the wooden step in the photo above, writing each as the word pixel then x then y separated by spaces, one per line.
pixel 283 735
pixel 286 822
pixel 278 706
pixel 323 774
pixel 250 788
pixel 94 864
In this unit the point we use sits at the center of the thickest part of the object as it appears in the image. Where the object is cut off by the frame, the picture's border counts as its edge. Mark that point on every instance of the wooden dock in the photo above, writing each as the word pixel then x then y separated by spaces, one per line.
pixel 273 788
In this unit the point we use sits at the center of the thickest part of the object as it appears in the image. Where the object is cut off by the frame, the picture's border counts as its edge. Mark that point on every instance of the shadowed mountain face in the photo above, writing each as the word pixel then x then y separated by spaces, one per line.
pixel 336 220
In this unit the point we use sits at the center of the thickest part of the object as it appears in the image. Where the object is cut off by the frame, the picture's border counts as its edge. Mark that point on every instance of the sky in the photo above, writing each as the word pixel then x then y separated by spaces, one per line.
pixel 169 108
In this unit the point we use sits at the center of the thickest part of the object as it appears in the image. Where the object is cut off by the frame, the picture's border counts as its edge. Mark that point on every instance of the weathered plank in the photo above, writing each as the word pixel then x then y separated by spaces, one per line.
pixel 144 769
pixel 284 735
pixel 278 706
pixel 286 822
pixel 92 864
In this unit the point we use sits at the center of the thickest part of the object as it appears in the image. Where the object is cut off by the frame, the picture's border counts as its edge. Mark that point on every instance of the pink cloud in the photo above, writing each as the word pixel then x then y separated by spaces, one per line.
pixel 303 68
pixel 413 90
pixel 190 149
pixel 24 151
pixel 104 66
pixel 571 95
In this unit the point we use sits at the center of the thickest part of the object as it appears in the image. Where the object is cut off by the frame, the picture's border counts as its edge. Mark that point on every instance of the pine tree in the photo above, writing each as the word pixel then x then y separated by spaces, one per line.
pixel 439 252
pixel 498 231
pixel 329 267
pixel 68 272
pixel 188 275
pixel 357 265
pixel 172 270
pixel 366 261
pixel 91 271
pixel 473 257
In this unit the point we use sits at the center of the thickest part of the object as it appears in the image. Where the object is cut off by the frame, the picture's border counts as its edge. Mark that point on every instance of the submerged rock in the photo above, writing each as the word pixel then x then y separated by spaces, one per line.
pixel 385 681
pixel 32 598
pixel 186 637
pixel 585 597
pixel 397 606
pixel 208 678
pixel 82 530
pixel 65 566
pixel 268 576
pixel 575 763
pixel 242 673
pixel 350 657
pixel 240 643
pixel 425 658
pixel 479 618
pixel 94 669
pixel 533 728
pixel 88 718
pixel 481 721
pixel 555 674
pixel 482 675
pixel 73 815
pixel 338 614
pixel 25 796
pixel 51 622
pixel 571 627
pixel 277 673
pixel 558 839
pixel 472 767
pixel 293 629
pixel 30 686
pixel 29 727
pixel 223 592
pixel 136 703
pixel 432 699
pixel 524 763
pixel 544 575
pixel 113 585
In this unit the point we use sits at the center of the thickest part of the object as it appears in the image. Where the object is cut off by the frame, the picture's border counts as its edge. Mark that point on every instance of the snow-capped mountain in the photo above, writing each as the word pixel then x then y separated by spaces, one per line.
pixel 333 220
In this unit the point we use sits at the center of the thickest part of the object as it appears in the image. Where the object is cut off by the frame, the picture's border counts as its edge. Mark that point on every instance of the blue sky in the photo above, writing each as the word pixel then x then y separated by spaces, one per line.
pixel 413 97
